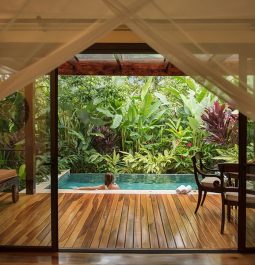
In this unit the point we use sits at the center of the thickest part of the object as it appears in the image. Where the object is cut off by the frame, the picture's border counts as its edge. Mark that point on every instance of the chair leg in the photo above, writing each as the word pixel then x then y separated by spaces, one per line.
pixel 199 199
pixel 15 193
pixel 228 212
pixel 203 198
pixel 222 214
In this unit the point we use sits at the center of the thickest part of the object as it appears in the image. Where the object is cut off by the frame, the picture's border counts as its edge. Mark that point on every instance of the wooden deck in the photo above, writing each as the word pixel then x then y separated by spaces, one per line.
pixel 119 221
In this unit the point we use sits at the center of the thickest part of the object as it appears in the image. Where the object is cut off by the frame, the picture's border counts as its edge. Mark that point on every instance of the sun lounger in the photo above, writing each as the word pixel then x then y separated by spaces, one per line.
pixel 9 179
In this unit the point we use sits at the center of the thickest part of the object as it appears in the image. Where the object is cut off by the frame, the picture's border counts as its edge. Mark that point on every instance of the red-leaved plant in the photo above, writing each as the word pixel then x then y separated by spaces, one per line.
pixel 221 124
pixel 106 141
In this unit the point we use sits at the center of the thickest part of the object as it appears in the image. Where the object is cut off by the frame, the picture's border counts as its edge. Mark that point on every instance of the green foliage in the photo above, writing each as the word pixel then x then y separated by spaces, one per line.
pixel 113 163
pixel 230 154
pixel 117 124
pixel 146 162
pixel 22 175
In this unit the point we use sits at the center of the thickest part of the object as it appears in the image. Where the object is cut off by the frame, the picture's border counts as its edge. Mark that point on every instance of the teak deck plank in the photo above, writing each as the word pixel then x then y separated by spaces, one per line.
pixel 152 224
pixel 144 222
pixel 116 223
pixel 192 234
pixel 176 234
pixel 137 223
pixel 166 226
pixel 108 225
pixel 132 221
pixel 87 207
pixel 212 223
pixel 89 216
pixel 159 224
pixel 100 227
pixel 129 242
pixel 203 228
pixel 123 223
pixel 229 238
pixel 64 236
pixel 179 222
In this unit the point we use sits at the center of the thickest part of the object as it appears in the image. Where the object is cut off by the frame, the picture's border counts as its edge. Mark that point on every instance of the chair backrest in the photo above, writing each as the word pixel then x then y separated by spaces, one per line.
pixel 195 159
pixel 250 168
pixel 199 156
pixel 194 162
pixel 234 168
pixel 228 167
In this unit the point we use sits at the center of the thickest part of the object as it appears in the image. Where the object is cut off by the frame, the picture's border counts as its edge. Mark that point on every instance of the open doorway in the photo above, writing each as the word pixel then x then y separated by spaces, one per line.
pixel 144 130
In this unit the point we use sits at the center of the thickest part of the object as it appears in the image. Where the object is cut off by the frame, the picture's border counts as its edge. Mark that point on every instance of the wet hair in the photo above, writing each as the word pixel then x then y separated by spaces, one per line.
pixel 108 179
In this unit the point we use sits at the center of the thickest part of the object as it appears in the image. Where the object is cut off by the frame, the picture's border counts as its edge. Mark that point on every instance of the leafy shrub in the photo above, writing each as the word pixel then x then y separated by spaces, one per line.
pixel 230 154
pixel 146 162
pixel 105 141
pixel 221 124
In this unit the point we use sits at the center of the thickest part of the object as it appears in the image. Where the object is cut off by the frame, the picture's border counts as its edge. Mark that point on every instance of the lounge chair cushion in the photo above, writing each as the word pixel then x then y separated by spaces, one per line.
pixel 6 174
pixel 233 196
pixel 211 182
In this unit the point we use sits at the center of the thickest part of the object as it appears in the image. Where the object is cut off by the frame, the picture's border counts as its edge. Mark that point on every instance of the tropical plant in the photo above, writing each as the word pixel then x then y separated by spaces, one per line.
pixel 221 124
pixel 113 163
pixel 105 140
pixel 146 162
pixel 230 154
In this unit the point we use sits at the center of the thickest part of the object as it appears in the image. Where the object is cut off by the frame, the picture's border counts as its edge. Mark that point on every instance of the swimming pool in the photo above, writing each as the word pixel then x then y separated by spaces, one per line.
pixel 129 181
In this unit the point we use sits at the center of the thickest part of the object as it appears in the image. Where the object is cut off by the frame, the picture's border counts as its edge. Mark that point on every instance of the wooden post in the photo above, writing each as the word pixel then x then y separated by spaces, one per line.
pixel 54 157
pixel 242 159
pixel 30 140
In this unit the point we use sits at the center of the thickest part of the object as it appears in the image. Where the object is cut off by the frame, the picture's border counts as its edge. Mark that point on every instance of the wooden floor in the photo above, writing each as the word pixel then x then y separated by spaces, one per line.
pixel 119 221
pixel 127 259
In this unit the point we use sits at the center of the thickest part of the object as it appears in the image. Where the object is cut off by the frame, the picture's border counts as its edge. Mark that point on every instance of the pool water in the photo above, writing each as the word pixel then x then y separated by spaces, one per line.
pixel 129 181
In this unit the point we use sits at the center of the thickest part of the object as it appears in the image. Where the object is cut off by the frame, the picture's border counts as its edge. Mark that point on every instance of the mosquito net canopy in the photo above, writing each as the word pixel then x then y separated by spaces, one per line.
pixel 212 41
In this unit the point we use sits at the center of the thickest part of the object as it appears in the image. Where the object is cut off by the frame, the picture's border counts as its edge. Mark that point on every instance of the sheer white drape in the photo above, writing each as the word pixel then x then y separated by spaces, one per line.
pixel 212 41
pixel 209 43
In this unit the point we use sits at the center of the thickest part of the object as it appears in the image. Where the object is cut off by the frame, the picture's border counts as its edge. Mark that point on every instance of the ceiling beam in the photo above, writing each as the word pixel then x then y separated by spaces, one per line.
pixel 119 48
pixel 128 68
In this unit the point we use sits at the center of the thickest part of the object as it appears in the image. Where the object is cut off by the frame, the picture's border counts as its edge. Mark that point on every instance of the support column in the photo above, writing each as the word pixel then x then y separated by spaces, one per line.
pixel 54 157
pixel 30 139
pixel 242 159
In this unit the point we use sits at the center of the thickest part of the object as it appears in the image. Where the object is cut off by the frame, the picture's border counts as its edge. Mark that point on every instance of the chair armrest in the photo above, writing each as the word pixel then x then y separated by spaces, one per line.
pixel 230 189
pixel 209 175
pixel 252 192
pixel 211 169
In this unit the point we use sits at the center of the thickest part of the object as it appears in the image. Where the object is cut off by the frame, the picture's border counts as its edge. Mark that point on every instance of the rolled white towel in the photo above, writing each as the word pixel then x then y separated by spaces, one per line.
pixel 180 189
pixel 184 189
pixel 188 189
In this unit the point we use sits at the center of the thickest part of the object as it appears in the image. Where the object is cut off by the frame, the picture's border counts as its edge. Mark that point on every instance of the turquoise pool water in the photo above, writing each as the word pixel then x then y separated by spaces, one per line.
pixel 129 181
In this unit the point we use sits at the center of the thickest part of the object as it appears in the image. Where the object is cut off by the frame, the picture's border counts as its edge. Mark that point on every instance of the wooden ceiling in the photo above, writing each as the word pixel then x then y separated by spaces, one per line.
pixel 122 61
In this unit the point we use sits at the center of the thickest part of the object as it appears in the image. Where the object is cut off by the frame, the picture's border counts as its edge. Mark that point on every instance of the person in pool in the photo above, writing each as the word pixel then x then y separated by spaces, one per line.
pixel 109 184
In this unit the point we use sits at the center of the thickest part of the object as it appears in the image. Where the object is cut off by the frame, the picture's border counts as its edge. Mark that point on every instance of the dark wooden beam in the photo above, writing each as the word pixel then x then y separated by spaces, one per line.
pixel 54 157
pixel 242 159
pixel 113 48
pixel 30 139
pixel 128 68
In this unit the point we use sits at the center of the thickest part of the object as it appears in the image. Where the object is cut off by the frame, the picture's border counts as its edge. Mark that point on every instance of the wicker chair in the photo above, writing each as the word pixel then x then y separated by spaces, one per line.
pixel 9 179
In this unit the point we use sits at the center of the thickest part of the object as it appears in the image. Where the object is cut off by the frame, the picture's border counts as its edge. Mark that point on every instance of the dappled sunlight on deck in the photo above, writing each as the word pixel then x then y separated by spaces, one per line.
pixel 131 221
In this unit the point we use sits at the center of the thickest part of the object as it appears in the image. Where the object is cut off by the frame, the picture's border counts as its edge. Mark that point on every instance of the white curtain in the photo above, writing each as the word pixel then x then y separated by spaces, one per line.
pixel 212 41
